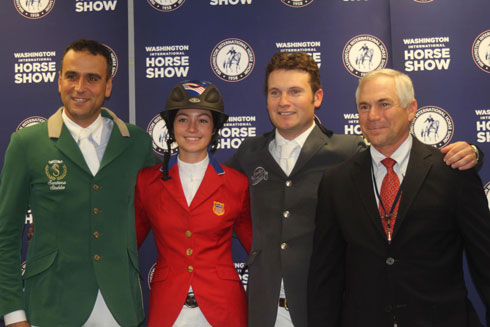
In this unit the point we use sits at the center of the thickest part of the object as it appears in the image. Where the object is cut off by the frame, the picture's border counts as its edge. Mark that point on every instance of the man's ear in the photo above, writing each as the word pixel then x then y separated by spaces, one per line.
pixel 412 109
pixel 318 98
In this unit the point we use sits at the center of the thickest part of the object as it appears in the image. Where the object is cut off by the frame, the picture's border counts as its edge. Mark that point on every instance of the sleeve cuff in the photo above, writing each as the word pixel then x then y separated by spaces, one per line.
pixel 14 316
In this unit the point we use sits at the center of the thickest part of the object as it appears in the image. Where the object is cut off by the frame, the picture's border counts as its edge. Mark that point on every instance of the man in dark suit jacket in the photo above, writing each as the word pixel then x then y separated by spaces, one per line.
pixel 405 268
pixel 283 196
pixel 82 262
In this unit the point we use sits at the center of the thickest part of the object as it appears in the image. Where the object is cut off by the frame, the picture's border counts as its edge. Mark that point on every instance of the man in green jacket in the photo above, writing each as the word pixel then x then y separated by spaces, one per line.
pixel 77 173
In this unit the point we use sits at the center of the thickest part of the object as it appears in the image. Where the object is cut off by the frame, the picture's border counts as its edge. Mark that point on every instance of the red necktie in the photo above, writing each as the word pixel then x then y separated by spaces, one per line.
pixel 389 189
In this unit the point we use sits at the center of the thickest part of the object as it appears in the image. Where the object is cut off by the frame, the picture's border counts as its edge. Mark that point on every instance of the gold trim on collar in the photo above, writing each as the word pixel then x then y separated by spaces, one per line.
pixel 55 123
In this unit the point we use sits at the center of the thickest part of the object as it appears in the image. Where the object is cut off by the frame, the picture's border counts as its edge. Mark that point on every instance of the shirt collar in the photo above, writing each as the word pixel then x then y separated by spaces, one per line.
pixel 300 139
pixel 400 155
pixel 95 129
pixel 212 161
pixel 193 167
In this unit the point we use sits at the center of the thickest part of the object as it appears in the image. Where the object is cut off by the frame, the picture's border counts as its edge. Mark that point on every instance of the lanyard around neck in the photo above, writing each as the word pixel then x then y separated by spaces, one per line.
pixel 397 197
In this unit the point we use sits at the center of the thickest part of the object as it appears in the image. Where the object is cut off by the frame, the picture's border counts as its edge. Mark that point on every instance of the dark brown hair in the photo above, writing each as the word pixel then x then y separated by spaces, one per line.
pixel 294 61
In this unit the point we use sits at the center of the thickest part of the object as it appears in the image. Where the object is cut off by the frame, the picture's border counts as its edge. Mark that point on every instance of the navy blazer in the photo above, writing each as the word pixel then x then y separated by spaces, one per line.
pixel 358 279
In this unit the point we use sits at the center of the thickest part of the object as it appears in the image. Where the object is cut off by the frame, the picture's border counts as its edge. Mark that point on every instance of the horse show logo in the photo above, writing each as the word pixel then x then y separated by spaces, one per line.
pixel 34 9
pixel 166 5
pixel 297 3
pixel 159 134
pixel 30 121
pixel 232 60
pixel 487 193
pixel 364 53
pixel 114 60
pixel 481 51
pixel 433 125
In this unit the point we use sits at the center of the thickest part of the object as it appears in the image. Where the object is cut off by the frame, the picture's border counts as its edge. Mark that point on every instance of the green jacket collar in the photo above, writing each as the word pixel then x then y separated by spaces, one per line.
pixel 55 123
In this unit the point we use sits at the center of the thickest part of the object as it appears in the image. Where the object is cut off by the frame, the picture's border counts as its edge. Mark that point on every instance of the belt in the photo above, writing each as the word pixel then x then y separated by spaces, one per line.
pixel 283 303
pixel 190 301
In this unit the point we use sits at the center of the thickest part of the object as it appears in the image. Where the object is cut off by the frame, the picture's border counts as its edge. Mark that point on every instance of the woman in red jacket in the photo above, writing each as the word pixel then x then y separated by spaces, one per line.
pixel 193 204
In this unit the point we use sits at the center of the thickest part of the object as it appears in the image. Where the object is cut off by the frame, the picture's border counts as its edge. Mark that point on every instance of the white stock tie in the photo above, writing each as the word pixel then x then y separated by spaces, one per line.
pixel 88 151
pixel 286 161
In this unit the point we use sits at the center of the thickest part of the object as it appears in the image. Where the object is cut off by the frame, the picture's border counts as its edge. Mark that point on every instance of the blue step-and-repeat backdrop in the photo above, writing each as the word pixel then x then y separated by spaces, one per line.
pixel 443 45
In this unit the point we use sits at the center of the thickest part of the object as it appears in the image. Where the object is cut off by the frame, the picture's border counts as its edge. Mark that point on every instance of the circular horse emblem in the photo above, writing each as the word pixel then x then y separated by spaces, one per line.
pixel 159 134
pixel 297 3
pixel 34 9
pixel 30 121
pixel 166 5
pixel 232 60
pixel 115 61
pixel 487 193
pixel 364 53
pixel 481 51
pixel 433 125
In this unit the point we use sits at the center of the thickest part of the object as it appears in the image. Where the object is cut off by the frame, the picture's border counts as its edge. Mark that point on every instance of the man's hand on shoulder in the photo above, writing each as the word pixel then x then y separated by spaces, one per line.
pixel 20 324
pixel 460 155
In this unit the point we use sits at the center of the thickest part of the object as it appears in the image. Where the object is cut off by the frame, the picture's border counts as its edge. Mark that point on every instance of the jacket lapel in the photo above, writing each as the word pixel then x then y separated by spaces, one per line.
pixel 209 185
pixel 174 187
pixel 116 146
pixel 419 166
pixel 362 177
pixel 118 141
pixel 270 164
pixel 67 145
pixel 315 141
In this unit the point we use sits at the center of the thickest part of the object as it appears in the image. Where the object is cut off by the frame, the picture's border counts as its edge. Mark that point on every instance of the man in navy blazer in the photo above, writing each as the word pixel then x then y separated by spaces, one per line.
pixel 402 267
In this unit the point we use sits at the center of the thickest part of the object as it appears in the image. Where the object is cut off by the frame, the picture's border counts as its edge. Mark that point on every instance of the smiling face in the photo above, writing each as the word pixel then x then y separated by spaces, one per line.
pixel 383 121
pixel 193 129
pixel 83 85
pixel 291 102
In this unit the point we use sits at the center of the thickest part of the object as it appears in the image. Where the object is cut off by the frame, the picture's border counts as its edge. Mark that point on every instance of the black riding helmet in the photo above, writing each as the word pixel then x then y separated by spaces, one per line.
pixel 193 95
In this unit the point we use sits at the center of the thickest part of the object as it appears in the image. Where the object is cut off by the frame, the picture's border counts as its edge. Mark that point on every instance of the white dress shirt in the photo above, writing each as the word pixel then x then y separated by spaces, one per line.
pixel 191 176
pixel 100 132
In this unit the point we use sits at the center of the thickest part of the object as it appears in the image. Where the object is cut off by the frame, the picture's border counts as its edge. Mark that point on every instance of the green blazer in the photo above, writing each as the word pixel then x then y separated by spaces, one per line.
pixel 84 236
